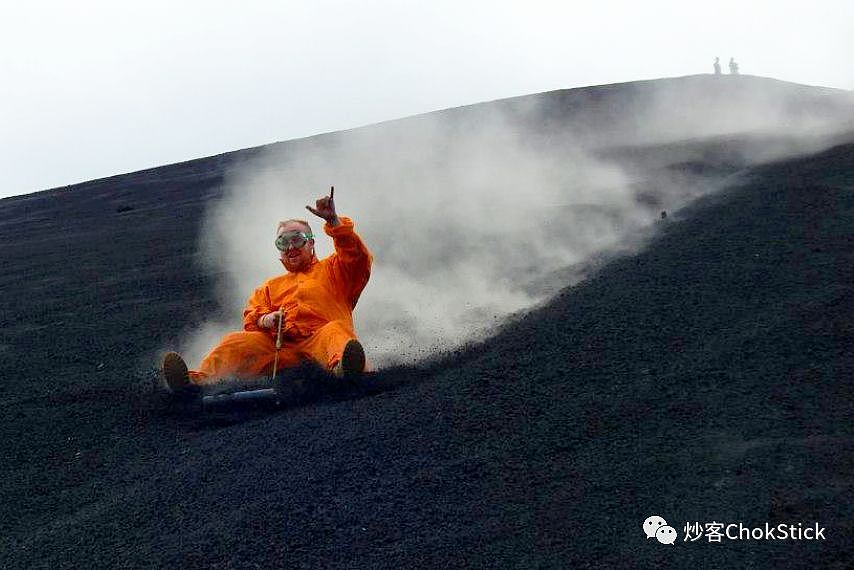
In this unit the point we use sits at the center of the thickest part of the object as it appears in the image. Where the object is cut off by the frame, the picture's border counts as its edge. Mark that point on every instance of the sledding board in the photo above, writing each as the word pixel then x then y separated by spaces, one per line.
pixel 196 399
pixel 242 397
pixel 290 386
pixel 266 392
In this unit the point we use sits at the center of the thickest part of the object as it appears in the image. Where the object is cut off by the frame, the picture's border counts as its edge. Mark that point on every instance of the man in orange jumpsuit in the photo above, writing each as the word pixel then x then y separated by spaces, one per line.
pixel 314 299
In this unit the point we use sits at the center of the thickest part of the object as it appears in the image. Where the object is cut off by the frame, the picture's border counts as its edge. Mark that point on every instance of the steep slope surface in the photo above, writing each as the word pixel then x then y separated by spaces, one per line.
pixel 705 378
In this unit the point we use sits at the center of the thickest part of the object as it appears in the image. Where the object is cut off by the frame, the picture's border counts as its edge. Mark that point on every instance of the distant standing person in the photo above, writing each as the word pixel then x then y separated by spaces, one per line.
pixel 733 66
pixel 717 66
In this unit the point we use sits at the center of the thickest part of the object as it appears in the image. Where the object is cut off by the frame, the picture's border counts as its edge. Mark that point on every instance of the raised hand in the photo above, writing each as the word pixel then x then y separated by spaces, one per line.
pixel 325 208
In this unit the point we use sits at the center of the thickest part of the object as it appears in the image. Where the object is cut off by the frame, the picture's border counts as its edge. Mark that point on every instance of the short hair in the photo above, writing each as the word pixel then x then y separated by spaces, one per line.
pixel 303 222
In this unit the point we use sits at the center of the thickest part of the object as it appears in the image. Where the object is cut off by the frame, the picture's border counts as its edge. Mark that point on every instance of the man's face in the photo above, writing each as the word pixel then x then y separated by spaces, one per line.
pixel 296 259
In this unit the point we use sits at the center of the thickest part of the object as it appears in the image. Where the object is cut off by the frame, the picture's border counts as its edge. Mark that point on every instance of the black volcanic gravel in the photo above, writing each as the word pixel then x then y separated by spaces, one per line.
pixel 706 378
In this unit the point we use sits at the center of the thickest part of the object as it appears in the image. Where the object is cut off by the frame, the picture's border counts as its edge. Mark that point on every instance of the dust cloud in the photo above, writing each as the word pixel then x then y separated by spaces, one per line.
pixel 472 214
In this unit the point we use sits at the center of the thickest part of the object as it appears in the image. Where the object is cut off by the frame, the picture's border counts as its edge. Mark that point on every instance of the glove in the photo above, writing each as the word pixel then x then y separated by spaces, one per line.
pixel 271 320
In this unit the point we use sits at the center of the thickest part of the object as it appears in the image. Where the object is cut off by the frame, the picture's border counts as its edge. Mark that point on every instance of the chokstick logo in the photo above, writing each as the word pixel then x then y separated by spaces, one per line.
pixel 656 527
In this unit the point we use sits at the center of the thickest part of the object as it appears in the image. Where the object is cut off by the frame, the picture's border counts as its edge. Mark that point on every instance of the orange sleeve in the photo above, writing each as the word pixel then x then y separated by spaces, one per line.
pixel 351 262
pixel 258 305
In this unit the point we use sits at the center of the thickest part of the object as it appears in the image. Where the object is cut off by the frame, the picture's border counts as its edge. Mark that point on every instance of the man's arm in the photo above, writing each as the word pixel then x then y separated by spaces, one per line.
pixel 351 262
pixel 257 306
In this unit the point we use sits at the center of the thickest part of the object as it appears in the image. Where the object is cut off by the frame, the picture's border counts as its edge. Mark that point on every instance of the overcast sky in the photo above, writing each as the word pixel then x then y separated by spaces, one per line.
pixel 92 89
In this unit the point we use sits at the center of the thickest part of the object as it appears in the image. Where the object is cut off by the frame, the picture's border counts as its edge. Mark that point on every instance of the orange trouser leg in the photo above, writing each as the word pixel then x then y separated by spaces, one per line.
pixel 327 344
pixel 243 354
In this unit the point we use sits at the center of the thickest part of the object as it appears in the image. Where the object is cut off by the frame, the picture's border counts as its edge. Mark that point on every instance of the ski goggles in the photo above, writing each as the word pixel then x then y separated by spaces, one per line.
pixel 287 240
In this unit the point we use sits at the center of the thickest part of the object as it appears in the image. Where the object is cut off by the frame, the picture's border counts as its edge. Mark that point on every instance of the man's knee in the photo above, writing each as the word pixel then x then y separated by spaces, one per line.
pixel 249 341
pixel 240 353
pixel 337 329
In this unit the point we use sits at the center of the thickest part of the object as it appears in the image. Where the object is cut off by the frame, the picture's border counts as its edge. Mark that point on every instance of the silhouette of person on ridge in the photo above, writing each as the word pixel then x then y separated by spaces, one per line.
pixel 733 66
pixel 717 66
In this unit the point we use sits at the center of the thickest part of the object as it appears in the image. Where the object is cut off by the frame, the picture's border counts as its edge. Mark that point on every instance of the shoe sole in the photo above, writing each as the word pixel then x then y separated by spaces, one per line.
pixel 353 359
pixel 175 372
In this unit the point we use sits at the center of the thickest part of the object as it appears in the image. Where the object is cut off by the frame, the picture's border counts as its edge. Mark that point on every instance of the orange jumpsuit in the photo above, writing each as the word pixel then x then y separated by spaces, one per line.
pixel 318 304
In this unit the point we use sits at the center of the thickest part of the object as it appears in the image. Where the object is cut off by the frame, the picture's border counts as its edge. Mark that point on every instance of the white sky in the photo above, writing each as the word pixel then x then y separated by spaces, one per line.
pixel 91 89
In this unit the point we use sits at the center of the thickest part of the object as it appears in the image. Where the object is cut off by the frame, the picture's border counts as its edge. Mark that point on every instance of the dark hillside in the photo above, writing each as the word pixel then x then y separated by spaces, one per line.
pixel 705 378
